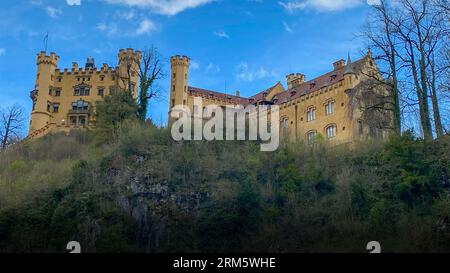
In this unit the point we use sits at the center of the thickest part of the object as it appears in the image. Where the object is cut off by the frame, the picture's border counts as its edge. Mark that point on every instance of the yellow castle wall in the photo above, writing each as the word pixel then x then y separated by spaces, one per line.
pixel 54 86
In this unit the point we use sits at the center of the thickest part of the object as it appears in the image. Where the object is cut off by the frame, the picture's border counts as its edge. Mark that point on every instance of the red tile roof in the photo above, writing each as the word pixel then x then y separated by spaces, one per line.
pixel 217 95
pixel 306 88
pixel 260 96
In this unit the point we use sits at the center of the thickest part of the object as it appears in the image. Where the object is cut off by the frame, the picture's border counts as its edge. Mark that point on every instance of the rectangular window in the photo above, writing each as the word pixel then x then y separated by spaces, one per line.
pixel 55 107
pixel 57 93
pixel 101 92
pixel 102 78
pixel 34 104
pixel 48 106
pixel 50 91
pixel 81 91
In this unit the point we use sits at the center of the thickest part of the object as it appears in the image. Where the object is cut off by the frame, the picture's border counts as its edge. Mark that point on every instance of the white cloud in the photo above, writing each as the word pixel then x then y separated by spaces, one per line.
pixel 212 68
pixel 166 7
pixel 53 12
pixel 73 2
pixel 110 29
pixel 319 5
pixel 2 51
pixel 145 27
pixel 194 65
pixel 126 15
pixel 252 73
pixel 287 27
pixel 221 34
pixel 373 2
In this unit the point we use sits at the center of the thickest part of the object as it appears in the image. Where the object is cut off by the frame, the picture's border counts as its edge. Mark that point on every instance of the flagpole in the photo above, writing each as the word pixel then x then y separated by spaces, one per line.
pixel 46 41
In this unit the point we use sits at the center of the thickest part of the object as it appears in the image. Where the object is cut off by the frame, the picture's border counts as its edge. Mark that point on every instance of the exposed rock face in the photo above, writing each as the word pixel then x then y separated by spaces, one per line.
pixel 146 198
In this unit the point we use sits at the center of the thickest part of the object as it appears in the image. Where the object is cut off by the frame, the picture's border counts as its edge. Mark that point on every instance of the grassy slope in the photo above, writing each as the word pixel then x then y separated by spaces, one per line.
pixel 140 192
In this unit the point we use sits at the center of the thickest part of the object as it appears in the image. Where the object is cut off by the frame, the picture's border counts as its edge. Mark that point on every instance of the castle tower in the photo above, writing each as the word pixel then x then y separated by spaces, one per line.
pixel 295 80
pixel 179 81
pixel 129 62
pixel 42 94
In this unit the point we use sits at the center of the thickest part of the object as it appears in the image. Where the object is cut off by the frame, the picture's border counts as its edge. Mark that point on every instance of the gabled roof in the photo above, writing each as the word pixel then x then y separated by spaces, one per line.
pixel 261 96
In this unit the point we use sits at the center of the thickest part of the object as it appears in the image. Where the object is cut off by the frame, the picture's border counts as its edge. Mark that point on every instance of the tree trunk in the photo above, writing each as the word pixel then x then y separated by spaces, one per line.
pixel 433 94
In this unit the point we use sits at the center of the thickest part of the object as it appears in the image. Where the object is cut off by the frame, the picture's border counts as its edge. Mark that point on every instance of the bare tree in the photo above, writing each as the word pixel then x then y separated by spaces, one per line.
pixel 11 125
pixel 150 71
pixel 381 37
pixel 417 28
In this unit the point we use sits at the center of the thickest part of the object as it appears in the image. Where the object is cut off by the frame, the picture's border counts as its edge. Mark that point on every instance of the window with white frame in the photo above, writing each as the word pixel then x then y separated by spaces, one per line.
pixel 311 137
pixel 311 114
pixel 331 131
pixel 285 123
pixel 329 108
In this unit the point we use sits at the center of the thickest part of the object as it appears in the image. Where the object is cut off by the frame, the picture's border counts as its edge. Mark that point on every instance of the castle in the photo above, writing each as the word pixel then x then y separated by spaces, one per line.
pixel 66 99
pixel 329 106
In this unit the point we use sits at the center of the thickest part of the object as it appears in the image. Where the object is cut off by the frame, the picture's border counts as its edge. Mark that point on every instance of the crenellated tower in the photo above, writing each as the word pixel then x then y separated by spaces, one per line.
pixel 129 62
pixel 179 81
pixel 41 95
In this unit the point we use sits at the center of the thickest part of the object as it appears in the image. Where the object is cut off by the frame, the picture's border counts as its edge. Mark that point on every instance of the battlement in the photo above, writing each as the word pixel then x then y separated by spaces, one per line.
pixel 43 58
pixel 338 64
pixel 295 79
pixel 180 60
pixel 129 52
pixel 105 69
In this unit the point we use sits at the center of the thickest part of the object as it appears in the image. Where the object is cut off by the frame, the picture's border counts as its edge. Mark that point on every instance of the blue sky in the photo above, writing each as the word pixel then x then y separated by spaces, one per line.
pixel 245 45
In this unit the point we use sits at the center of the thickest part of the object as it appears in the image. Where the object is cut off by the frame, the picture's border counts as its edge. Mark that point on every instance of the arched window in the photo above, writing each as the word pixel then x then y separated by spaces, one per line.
pixel 330 131
pixel 285 122
pixel 329 107
pixel 311 114
pixel 311 136
pixel 80 105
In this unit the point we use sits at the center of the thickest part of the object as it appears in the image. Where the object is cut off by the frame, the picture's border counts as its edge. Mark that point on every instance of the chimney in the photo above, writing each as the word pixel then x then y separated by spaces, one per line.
pixel 74 66
pixel 238 93
pixel 295 80
pixel 339 64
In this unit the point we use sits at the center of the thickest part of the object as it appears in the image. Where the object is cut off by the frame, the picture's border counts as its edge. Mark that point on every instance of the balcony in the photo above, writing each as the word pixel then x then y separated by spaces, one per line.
pixel 79 112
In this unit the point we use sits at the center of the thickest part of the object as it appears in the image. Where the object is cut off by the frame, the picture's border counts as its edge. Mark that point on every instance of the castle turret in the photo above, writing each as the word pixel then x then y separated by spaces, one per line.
pixel 179 81
pixel 42 93
pixel 349 74
pixel 295 80
pixel 129 62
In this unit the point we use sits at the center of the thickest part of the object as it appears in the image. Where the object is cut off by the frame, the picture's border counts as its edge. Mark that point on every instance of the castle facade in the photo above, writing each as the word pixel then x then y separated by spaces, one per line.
pixel 65 99
pixel 328 107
